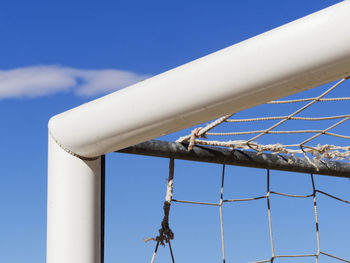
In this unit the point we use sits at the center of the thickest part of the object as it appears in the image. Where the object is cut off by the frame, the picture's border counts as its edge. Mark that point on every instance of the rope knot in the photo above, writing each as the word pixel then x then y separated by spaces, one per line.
pixel 165 233
pixel 195 134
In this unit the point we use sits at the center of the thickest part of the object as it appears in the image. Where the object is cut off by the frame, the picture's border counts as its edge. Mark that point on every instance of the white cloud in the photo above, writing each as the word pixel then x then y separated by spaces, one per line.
pixel 35 81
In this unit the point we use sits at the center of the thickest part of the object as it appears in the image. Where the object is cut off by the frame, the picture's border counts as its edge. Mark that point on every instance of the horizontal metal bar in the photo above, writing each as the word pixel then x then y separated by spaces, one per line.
pixel 237 157
pixel 275 64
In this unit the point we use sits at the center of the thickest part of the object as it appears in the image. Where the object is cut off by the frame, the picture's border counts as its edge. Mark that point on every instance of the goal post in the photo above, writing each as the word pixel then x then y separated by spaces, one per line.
pixel 303 54
pixel 74 207
pixel 300 55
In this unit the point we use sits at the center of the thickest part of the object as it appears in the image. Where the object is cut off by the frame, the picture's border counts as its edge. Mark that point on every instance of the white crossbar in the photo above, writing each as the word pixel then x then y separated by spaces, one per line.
pixel 300 55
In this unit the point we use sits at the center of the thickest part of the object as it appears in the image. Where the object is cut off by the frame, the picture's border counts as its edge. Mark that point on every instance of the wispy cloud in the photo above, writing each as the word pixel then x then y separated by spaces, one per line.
pixel 36 81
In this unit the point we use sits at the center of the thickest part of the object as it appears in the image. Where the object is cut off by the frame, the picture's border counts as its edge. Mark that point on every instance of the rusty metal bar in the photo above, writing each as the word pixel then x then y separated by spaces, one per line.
pixel 237 157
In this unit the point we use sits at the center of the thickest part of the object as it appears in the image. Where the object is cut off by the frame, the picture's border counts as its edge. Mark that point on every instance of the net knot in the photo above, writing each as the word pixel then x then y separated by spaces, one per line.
pixel 165 233
pixel 195 134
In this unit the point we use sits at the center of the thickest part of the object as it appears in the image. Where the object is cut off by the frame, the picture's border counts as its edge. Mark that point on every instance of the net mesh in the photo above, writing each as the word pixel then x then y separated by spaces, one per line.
pixel 293 126
pixel 309 130
pixel 314 195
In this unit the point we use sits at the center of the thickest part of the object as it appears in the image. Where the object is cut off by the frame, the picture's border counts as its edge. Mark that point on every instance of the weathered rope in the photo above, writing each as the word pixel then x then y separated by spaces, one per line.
pixel 318 152
pixel 269 192
pixel 281 132
pixel 291 118
pixel 298 111
pixel 221 216
pixel 307 99
pixel 200 132
pixel 165 233
pixel 269 215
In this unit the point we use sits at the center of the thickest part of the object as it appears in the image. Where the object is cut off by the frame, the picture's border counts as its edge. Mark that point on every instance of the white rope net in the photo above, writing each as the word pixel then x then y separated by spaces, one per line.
pixel 314 194
pixel 315 127
pixel 299 128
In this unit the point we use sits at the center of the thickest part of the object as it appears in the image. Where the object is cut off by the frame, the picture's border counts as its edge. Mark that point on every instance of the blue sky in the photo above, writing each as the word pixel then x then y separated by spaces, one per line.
pixel 56 55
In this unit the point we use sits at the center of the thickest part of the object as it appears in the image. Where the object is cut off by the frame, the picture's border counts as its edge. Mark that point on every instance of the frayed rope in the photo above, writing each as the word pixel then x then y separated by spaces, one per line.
pixel 165 233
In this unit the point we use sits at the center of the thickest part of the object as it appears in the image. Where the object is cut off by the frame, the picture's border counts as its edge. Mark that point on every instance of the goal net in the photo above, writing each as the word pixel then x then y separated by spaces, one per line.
pixel 315 117
pixel 306 133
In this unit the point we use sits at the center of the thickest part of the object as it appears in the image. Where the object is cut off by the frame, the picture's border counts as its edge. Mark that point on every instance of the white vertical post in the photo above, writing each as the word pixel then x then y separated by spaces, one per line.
pixel 74 208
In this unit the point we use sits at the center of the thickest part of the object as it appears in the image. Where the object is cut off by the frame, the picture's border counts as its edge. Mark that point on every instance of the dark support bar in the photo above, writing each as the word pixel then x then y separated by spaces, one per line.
pixel 237 157
pixel 103 197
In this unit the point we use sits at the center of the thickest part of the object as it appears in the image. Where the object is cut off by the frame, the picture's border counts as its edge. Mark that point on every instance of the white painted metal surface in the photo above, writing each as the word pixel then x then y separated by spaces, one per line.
pixel 73 208
pixel 300 55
